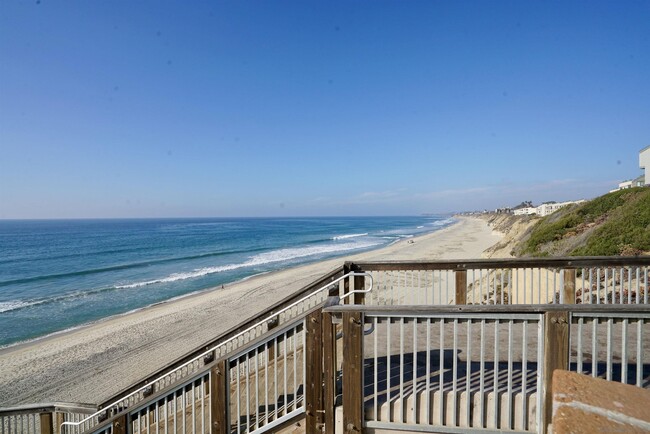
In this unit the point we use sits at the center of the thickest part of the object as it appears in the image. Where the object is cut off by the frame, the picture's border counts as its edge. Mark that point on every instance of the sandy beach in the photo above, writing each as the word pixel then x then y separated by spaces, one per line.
pixel 94 362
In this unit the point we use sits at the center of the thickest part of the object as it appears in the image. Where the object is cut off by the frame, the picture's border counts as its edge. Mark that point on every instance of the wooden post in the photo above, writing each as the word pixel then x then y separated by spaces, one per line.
pixel 352 372
pixel 120 425
pixel 556 356
pixel 346 283
pixel 329 371
pixel 358 283
pixel 58 421
pixel 569 286
pixel 314 373
pixel 271 346
pixel 219 397
pixel 47 424
pixel 461 286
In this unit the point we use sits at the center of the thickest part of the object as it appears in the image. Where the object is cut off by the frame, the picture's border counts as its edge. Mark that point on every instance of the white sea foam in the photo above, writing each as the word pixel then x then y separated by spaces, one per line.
pixel 420 227
pixel 345 237
pixel 442 222
pixel 7 306
pixel 282 255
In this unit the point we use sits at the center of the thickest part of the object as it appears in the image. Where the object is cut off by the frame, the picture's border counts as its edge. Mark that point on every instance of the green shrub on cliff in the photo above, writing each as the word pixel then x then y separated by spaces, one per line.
pixel 613 224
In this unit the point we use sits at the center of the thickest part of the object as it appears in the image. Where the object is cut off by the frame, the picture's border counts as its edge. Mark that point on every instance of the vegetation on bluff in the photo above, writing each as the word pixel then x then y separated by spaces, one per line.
pixel 616 223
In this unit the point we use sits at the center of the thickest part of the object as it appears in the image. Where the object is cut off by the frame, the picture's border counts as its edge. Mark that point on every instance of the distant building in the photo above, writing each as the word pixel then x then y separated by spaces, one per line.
pixel 544 209
pixel 525 211
pixel 644 163
pixel 640 181
pixel 625 184
pixel 550 207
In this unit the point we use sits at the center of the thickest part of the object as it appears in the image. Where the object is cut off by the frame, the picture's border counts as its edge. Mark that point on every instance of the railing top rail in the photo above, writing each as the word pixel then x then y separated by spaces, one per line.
pixel 183 360
pixel 517 308
pixel 464 264
pixel 46 407
pixel 227 340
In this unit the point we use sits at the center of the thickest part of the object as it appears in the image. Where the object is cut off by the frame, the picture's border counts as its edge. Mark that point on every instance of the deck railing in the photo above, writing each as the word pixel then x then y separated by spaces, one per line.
pixel 41 418
pixel 478 329
pixel 478 368
pixel 593 280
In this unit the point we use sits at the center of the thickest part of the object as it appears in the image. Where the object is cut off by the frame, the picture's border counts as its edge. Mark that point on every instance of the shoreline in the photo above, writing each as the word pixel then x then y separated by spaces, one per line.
pixel 94 361
pixel 198 292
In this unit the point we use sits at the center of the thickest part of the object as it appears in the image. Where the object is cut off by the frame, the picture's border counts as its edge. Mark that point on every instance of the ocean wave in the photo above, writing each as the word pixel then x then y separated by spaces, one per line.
pixel 282 255
pixel 120 267
pixel 419 227
pixel 345 237
pixel 445 222
pixel 8 306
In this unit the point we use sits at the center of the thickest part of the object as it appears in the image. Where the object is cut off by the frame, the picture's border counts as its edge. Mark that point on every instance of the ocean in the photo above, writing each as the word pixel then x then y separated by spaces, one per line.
pixel 60 274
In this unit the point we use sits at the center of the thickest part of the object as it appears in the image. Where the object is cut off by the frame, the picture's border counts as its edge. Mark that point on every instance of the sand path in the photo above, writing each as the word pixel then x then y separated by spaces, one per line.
pixel 94 362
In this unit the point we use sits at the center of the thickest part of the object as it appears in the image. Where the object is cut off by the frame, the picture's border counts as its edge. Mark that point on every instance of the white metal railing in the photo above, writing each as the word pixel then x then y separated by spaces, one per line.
pixel 613 346
pixel 268 381
pixel 453 371
pixel 194 365
pixel 184 409
pixel 612 285
pixel 28 419
pixel 510 285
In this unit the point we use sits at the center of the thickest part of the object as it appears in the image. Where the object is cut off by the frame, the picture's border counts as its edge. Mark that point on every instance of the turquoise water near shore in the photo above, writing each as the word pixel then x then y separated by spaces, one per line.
pixel 58 274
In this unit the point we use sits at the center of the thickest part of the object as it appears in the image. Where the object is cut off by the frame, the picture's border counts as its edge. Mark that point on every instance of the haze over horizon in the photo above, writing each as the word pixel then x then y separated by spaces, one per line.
pixel 293 108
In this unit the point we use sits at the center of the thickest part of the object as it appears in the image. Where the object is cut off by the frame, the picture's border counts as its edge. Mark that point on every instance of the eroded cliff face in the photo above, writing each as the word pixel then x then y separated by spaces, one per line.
pixel 514 229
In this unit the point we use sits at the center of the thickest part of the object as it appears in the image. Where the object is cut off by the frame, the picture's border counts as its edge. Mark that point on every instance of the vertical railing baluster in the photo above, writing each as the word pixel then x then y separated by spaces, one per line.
pixel 415 369
pixel 401 370
pixel 624 351
pixel 496 374
pixel 524 373
pixel 376 370
pixel 428 374
pixel 468 374
pixel 579 344
pixel 510 382
pixel 639 352
pixel 441 365
pixel 388 369
pixel 482 377
pixel 594 347
pixel 454 409
pixel 609 349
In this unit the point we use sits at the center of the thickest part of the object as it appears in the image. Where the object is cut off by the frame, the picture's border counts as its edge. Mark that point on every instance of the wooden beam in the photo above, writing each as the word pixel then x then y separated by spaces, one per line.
pixel 352 372
pixel 569 289
pixel 219 397
pixel 329 372
pixel 314 373
pixel 47 424
pixel 556 356
pixel 358 283
pixel 461 287
pixel 58 421
pixel 346 283
pixel 468 264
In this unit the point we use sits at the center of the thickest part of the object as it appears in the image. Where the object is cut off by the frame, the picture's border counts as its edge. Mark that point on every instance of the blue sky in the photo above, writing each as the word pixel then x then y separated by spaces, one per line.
pixel 268 108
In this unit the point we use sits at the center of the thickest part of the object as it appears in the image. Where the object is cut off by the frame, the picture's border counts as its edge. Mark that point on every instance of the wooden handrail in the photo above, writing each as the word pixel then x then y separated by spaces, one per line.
pixel 332 275
pixel 468 264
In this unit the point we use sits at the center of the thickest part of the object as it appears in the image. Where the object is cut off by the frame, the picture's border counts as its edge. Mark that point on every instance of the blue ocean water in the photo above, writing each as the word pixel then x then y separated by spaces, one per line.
pixel 58 274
